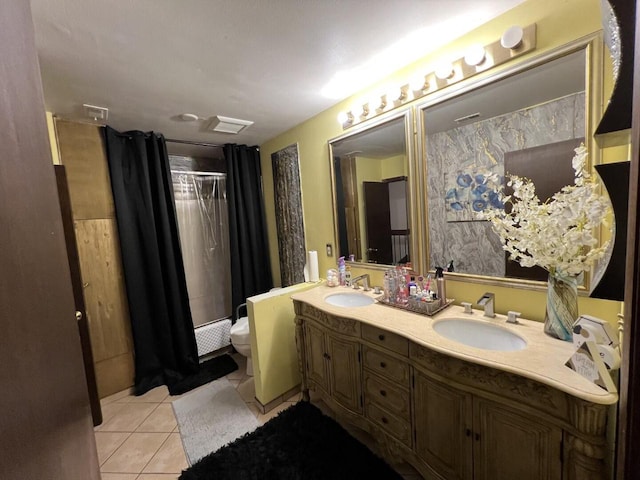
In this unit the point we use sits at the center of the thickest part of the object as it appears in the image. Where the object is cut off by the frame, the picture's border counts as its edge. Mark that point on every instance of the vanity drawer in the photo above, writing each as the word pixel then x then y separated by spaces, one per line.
pixel 387 366
pixel 394 425
pixel 385 339
pixel 387 395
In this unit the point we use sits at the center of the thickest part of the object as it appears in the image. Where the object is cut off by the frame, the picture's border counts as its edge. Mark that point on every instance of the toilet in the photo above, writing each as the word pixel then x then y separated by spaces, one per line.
pixel 241 339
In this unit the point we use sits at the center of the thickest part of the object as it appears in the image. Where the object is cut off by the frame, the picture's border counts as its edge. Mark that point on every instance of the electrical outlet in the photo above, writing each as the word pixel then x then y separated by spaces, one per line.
pixel 329 250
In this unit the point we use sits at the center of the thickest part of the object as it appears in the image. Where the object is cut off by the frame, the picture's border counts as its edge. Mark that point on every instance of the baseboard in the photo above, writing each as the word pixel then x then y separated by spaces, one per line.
pixel 264 408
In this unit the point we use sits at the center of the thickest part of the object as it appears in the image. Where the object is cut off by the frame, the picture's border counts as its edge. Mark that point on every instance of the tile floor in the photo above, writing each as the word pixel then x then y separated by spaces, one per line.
pixel 139 437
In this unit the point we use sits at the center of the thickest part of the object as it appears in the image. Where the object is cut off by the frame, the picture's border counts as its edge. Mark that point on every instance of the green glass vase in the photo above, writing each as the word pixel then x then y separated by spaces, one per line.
pixel 562 306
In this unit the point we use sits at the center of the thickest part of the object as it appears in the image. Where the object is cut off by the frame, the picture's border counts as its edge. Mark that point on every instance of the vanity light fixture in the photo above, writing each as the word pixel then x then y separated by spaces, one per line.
pixel 419 83
pixel 475 55
pixel 345 118
pixel 445 71
pixel 377 102
pixel 514 42
pixel 396 94
pixel 512 37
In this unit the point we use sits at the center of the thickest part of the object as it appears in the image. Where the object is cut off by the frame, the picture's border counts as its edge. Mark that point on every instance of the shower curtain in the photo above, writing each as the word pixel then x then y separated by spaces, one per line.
pixel 163 336
pixel 203 224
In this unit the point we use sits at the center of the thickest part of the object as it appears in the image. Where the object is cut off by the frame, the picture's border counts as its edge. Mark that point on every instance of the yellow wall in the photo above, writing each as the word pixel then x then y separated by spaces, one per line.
pixel 273 342
pixel 557 23
pixel 396 166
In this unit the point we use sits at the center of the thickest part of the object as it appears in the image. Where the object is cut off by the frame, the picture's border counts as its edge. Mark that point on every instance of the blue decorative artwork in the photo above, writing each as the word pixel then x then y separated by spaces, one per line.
pixel 471 191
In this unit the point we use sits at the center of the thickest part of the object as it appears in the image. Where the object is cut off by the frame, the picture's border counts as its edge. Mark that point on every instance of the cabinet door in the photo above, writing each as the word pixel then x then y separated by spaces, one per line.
pixel 316 356
pixel 443 427
pixel 510 446
pixel 345 376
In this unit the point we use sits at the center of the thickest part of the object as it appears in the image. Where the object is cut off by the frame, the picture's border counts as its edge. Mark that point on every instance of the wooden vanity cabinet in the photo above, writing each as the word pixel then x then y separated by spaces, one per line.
pixel 452 419
pixel 333 364
pixel 463 436
pixel 443 424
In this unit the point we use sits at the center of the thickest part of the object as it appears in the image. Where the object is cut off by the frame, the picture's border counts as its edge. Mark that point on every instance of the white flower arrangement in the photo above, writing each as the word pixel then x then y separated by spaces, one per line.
pixel 557 235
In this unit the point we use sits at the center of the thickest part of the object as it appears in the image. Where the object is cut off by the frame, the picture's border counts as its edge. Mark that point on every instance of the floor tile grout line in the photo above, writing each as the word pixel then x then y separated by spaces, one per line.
pixel 115 449
pixel 156 452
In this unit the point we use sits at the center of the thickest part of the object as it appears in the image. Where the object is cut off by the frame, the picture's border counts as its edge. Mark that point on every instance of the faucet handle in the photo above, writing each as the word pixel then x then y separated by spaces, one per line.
pixel 512 317
pixel 467 307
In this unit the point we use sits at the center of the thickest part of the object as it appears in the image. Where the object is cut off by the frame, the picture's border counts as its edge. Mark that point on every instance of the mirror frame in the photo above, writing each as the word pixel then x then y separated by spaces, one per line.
pixel 413 205
pixel 592 45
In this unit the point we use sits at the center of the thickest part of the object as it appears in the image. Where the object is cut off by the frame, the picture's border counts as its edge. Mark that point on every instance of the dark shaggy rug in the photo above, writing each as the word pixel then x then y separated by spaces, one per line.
pixel 300 443
pixel 209 371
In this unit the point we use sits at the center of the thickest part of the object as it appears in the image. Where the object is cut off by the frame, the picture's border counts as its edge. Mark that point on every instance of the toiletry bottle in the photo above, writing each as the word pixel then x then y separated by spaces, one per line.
pixel 347 275
pixel 342 271
pixel 442 288
pixel 450 266
pixel 385 286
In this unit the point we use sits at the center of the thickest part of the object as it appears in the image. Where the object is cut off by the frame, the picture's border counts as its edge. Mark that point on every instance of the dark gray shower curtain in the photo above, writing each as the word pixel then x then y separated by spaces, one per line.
pixel 164 340
pixel 250 267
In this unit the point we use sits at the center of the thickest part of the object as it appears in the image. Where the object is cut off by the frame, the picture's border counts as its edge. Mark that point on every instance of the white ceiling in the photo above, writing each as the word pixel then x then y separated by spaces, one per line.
pixel 264 61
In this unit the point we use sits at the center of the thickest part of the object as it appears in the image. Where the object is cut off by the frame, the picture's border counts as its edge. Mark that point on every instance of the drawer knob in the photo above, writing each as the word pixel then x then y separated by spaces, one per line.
pixel 384 420
pixel 383 393
pixel 383 365
pixel 381 337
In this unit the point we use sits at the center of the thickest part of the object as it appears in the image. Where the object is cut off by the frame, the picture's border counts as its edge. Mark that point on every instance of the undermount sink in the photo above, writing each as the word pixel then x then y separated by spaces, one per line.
pixel 479 334
pixel 349 300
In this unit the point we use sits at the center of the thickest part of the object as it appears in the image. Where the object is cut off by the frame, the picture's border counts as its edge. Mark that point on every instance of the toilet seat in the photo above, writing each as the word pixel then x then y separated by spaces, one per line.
pixel 240 332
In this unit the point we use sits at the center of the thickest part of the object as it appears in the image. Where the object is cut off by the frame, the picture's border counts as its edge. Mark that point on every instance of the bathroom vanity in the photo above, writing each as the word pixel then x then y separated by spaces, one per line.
pixel 451 410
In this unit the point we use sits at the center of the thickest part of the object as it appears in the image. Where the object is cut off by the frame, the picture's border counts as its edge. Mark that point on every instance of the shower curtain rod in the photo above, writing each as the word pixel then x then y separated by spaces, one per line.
pixel 190 142
pixel 206 174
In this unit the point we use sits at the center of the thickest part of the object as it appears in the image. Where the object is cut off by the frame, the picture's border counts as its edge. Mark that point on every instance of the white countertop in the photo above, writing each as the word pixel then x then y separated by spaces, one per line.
pixel 543 359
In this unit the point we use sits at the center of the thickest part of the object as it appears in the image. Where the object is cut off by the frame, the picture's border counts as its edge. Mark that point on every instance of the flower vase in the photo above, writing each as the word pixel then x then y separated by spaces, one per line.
pixel 562 306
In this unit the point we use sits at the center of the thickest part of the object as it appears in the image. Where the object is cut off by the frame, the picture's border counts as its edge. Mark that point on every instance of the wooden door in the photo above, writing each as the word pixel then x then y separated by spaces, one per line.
pixel 378 222
pixel 83 154
pixel 46 423
pixel 443 421
pixel 316 356
pixel 78 297
pixel 345 373
pixel 508 445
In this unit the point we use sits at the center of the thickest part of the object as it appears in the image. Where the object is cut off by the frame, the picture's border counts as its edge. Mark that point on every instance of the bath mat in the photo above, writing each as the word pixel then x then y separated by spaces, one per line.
pixel 300 443
pixel 210 370
pixel 212 417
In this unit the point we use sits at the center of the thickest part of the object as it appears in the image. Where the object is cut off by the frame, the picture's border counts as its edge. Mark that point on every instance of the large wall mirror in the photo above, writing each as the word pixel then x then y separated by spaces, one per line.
pixel 525 121
pixel 371 192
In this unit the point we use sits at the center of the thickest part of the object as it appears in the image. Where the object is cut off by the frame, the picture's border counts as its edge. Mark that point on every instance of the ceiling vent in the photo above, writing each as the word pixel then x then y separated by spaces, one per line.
pixel 97 114
pixel 227 124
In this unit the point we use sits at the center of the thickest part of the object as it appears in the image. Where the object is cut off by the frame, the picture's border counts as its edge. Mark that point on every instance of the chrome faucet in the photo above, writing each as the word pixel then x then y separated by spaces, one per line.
pixel 365 282
pixel 487 301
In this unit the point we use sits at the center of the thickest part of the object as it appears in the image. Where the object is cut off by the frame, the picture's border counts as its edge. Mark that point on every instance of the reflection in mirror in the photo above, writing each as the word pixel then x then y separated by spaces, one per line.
pixel 526 124
pixel 370 173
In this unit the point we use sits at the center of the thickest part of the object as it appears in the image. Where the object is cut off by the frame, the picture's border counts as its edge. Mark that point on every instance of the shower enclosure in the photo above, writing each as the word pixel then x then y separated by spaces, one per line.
pixel 201 208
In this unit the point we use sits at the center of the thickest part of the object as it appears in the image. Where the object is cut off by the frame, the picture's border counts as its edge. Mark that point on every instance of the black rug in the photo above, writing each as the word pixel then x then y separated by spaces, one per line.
pixel 210 370
pixel 300 443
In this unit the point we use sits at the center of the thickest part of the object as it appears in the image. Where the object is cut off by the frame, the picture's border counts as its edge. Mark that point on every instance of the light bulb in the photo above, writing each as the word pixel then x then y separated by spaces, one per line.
pixel 343 117
pixel 418 83
pixel 444 71
pixel 475 55
pixel 512 37
pixel 375 103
